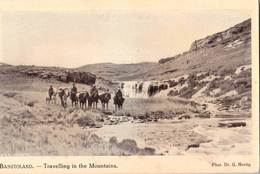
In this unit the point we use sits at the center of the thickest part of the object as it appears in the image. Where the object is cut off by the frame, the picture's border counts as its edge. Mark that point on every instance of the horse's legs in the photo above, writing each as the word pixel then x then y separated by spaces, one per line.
pixel 65 101
pixel 62 102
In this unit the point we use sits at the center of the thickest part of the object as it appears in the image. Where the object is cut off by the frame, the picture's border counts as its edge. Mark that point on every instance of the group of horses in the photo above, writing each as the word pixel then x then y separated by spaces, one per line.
pixel 85 99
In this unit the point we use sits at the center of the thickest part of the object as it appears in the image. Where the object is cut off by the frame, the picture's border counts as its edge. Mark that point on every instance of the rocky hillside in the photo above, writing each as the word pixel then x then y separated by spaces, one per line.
pixel 235 36
pixel 222 51
pixel 239 34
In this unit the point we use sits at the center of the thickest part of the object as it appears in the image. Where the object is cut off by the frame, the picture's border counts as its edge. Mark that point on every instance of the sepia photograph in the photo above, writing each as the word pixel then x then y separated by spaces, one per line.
pixel 126 82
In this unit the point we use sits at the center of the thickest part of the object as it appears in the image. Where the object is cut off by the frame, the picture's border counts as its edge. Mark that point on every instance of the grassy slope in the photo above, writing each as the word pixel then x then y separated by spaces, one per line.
pixel 212 59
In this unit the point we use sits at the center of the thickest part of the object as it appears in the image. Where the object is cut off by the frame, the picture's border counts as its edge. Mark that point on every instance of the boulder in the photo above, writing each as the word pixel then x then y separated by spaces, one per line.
pixel 196 145
pixel 203 115
pixel 147 151
pixel 129 145
pixel 232 124
pixel 184 116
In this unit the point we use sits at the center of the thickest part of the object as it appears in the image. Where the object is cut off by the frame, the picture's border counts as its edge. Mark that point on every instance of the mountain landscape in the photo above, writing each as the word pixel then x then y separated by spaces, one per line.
pixel 232 46
pixel 200 103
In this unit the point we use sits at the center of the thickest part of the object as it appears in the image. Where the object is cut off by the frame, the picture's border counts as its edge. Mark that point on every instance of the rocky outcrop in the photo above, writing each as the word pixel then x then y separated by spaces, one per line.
pixel 80 77
pixel 235 36
pixel 60 74
pixel 239 34
pixel 164 60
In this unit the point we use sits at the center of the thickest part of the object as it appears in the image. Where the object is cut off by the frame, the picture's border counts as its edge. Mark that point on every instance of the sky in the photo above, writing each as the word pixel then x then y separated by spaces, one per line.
pixel 73 39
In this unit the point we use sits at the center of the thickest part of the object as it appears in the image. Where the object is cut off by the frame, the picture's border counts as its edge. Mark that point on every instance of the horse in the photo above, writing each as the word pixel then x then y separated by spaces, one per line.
pixel 74 98
pixel 48 99
pixel 104 99
pixel 93 100
pixel 52 97
pixel 63 94
pixel 83 97
pixel 118 101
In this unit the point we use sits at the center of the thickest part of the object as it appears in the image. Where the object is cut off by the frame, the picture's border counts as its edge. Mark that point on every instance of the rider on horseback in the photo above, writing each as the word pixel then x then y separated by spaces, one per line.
pixel 118 99
pixel 93 90
pixel 119 93
pixel 74 88
pixel 73 95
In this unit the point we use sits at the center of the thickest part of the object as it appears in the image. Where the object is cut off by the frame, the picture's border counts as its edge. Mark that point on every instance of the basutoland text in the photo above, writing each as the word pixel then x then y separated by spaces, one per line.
pixel 57 166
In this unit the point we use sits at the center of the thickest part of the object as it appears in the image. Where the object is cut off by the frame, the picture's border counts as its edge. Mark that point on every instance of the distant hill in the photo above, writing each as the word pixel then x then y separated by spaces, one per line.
pixel 117 72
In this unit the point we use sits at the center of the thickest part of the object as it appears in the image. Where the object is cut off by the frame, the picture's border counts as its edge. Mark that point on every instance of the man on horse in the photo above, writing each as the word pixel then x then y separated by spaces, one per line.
pixel 94 96
pixel 118 99
pixel 73 95
pixel 119 93
pixel 74 88
pixel 93 90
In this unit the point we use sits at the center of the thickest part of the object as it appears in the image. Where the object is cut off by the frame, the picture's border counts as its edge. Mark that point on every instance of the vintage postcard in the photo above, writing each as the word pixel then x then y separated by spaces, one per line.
pixel 129 86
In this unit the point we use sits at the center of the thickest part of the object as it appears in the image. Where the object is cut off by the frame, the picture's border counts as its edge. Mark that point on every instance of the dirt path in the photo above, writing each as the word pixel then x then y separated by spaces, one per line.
pixel 172 137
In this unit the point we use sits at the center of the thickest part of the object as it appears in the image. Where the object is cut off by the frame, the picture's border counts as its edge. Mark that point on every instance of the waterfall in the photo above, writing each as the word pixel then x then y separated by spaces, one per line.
pixel 135 89
pixel 139 89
